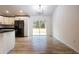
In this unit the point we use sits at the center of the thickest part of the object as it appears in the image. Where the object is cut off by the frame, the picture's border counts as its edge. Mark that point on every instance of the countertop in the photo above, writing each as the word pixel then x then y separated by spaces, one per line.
pixel 6 30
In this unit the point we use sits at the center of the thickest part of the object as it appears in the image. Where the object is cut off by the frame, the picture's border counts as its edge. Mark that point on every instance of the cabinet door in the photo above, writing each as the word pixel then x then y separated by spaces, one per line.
pixel 1 20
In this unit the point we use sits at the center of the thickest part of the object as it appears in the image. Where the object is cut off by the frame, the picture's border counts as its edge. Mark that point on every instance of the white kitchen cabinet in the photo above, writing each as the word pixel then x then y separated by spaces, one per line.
pixel 1 20
pixel 8 20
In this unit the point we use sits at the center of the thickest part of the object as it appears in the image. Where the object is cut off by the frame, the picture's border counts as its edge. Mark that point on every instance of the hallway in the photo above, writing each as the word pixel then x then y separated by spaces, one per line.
pixel 39 45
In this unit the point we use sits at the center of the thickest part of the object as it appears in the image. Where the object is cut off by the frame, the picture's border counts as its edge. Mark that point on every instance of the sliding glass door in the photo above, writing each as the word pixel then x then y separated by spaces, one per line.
pixel 39 27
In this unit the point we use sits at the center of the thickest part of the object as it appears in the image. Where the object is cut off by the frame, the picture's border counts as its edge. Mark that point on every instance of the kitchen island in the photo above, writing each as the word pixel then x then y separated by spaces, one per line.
pixel 7 40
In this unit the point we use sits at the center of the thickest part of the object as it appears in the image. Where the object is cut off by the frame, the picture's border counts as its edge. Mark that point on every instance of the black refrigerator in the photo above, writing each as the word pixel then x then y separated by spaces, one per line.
pixel 19 28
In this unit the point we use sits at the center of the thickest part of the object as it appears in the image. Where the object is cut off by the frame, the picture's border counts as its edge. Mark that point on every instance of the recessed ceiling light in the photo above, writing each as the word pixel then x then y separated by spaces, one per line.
pixel 7 11
pixel 21 11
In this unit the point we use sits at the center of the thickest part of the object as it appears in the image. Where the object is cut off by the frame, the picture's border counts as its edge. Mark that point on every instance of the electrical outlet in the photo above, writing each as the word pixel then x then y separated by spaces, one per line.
pixel 74 41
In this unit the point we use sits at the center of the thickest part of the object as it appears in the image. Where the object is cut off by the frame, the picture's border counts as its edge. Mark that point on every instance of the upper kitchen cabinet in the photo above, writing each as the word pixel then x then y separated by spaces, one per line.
pixel 8 20
pixel 1 20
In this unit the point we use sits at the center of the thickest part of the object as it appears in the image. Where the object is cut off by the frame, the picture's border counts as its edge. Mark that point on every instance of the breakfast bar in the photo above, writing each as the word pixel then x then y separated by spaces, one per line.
pixel 7 40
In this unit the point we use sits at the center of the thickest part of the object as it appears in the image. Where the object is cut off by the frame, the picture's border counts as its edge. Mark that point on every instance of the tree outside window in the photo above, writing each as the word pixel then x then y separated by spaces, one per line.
pixel 39 24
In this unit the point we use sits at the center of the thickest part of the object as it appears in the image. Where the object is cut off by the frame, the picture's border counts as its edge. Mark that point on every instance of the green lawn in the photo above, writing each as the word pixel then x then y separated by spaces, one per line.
pixel 37 31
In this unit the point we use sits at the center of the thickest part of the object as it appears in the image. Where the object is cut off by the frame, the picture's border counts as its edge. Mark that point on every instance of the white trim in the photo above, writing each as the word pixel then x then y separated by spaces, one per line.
pixel 61 40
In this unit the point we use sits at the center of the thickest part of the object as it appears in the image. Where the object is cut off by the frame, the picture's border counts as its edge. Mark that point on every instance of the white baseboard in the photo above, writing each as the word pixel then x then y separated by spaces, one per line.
pixel 61 40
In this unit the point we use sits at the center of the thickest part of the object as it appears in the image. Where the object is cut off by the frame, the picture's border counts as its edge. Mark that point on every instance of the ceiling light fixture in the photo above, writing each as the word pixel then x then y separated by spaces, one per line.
pixel 21 11
pixel 39 8
pixel 7 11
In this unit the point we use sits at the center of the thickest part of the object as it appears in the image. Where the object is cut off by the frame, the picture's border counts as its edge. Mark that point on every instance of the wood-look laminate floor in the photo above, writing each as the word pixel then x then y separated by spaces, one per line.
pixel 40 45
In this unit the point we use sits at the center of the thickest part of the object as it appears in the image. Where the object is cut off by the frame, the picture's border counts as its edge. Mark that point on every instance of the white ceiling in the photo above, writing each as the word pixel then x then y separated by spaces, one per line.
pixel 27 10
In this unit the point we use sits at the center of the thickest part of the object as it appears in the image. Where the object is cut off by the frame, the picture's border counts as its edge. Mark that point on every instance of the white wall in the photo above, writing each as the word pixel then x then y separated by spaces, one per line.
pixel 66 25
pixel 48 20
pixel 49 25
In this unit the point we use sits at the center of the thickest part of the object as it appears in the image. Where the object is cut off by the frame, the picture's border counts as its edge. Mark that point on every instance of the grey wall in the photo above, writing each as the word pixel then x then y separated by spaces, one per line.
pixel 66 25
